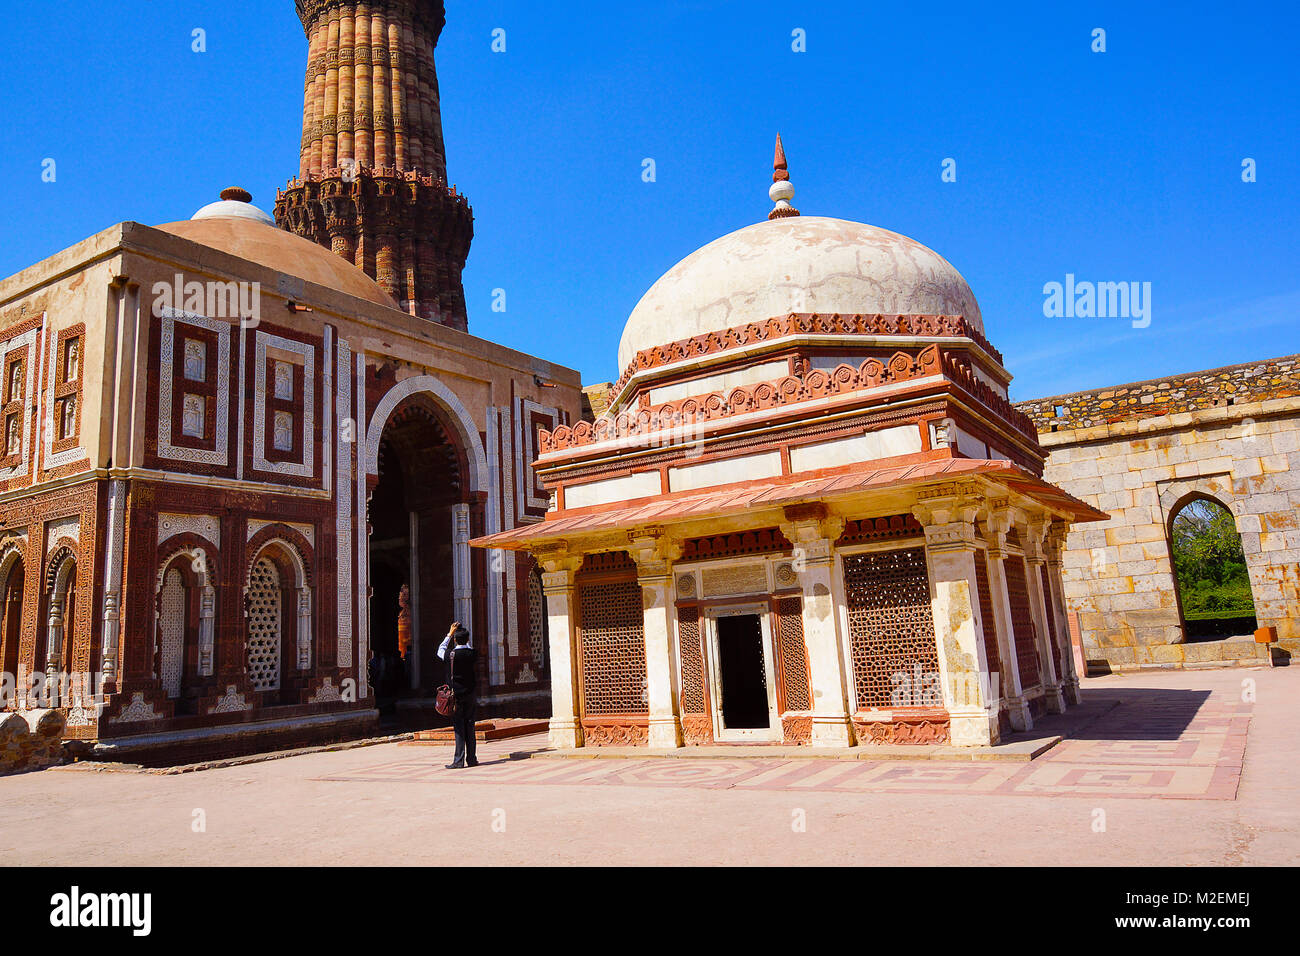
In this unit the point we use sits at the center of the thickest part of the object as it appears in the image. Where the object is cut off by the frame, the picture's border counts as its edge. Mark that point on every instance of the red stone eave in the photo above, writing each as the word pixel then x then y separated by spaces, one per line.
pixel 671 509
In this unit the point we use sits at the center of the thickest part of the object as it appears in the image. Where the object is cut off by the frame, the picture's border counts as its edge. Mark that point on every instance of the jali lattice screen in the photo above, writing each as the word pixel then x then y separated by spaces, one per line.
pixel 1052 639
pixel 1022 622
pixel 794 655
pixel 986 616
pixel 891 629
pixel 613 648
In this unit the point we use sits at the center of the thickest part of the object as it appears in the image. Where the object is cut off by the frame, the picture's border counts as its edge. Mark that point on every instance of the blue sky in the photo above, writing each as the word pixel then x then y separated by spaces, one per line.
pixel 1115 166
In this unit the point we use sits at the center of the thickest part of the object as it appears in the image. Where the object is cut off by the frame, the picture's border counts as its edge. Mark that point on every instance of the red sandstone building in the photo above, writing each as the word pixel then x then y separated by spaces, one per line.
pixel 229 447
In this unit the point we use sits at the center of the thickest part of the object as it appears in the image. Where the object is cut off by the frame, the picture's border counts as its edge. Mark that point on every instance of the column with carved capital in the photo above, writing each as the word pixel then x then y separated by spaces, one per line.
pixel 970 690
pixel 654 554
pixel 997 522
pixel 1032 533
pixel 813 533
pixel 558 570
pixel 1055 549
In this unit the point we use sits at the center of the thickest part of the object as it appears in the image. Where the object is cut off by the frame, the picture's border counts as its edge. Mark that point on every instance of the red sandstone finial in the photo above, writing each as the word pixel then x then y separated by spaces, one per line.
pixel 780 172
pixel 782 191
pixel 237 194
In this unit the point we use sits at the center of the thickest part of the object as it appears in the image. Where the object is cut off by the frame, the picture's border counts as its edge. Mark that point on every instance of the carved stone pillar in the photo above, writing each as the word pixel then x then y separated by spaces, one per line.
pixel 207 624
pixel 1032 533
pixel 113 580
pixel 304 627
pixel 970 689
pixel 54 649
pixel 462 589
pixel 813 532
pixel 997 522
pixel 654 555
pixel 1055 548
pixel 558 570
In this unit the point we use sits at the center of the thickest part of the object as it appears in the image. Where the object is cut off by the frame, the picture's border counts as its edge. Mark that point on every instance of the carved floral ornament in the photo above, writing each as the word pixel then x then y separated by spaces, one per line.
pixel 788 390
pixel 804 323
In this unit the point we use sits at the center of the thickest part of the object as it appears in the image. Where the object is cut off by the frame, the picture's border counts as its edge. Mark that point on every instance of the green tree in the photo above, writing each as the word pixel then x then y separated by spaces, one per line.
pixel 1209 562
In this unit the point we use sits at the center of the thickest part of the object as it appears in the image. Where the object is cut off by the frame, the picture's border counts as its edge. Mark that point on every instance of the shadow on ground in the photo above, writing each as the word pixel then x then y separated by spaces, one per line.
pixel 1138 713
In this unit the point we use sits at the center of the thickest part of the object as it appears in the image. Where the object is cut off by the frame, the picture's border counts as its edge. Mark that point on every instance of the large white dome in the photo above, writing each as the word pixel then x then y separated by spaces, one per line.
pixel 795 264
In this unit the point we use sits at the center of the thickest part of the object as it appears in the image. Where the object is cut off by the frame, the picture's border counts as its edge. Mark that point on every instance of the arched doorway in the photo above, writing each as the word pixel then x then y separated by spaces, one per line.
pixel 1213 584
pixel 411 513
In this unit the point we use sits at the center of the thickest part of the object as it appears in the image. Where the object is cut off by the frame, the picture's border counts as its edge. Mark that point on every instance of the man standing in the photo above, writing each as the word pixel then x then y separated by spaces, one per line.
pixel 463 680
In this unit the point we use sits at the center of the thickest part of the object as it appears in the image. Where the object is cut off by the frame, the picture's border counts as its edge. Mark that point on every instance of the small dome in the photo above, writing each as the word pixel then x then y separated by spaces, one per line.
pixel 235 203
pixel 795 264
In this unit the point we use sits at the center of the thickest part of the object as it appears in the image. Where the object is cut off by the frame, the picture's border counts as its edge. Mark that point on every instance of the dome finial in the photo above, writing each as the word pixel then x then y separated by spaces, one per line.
pixel 781 192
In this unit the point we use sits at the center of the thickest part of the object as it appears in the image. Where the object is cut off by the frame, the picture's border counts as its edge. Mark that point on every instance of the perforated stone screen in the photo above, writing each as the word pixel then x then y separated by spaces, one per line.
pixel 986 613
pixel 613 648
pixel 171 632
pixel 537 619
pixel 794 655
pixel 891 628
pixel 688 631
pixel 1022 622
pixel 264 626
pixel 1052 640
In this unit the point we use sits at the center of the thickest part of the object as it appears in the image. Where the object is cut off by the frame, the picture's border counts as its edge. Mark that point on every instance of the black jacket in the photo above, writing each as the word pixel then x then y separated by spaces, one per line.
pixel 461 672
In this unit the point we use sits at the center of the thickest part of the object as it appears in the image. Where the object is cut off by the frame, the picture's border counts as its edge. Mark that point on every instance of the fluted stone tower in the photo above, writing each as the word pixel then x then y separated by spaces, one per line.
pixel 372 182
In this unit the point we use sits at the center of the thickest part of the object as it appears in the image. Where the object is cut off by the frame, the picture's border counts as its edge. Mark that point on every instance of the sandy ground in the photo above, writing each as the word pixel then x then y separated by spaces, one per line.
pixel 1180 771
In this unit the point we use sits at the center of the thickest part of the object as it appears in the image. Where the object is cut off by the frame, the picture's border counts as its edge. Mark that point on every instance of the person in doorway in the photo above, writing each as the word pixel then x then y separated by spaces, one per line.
pixel 462 679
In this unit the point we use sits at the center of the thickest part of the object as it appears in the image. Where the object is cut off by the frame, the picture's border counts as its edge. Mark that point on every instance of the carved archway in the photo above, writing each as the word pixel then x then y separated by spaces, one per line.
pixel 414 510
pixel 457 415
pixel 185 607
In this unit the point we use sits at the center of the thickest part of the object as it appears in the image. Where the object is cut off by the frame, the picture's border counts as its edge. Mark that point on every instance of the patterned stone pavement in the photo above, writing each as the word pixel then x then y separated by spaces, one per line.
pixel 1157 743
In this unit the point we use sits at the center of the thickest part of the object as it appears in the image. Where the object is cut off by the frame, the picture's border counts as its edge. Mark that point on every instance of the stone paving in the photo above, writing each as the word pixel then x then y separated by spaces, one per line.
pixel 1172 768
pixel 1161 744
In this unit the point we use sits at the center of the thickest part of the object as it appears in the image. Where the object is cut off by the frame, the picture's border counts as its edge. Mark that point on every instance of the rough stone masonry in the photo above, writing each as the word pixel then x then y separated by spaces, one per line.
pixel 1140 452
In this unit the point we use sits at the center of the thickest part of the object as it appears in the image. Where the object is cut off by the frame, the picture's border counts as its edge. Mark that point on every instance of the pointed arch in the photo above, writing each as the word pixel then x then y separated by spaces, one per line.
pixel 457 414
pixel 275 553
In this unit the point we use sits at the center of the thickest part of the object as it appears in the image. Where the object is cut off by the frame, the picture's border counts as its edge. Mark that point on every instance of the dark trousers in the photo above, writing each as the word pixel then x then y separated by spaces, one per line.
pixel 463 722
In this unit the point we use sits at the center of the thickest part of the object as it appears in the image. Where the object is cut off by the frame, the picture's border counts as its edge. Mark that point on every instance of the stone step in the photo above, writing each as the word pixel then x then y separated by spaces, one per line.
pixel 497 729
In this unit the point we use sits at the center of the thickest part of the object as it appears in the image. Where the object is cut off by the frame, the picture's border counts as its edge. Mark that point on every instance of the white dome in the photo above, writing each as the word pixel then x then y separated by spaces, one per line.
pixel 233 209
pixel 795 264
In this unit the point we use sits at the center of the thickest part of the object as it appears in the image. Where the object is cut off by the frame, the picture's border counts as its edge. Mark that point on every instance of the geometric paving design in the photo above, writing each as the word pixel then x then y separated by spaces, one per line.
pixel 1139 743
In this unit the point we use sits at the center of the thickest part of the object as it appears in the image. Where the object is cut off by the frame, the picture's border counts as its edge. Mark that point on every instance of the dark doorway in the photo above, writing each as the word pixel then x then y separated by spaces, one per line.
pixel 742 673
pixel 410 546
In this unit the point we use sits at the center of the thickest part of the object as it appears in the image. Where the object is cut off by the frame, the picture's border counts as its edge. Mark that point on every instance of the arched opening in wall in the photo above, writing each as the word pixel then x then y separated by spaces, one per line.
pixel 411 517
pixel 55 642
pixel 12 624
pixel 173 627
pixel 277 608
pixel 1213 584
pixel 183 604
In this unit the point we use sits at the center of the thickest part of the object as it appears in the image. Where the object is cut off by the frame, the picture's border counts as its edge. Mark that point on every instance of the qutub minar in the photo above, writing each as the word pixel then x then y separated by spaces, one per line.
pixel 372 181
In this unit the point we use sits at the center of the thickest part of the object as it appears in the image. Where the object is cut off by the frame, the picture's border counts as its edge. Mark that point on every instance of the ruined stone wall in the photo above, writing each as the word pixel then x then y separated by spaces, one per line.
pixel 1229 386
pixel 1143 465
pixel 31 741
